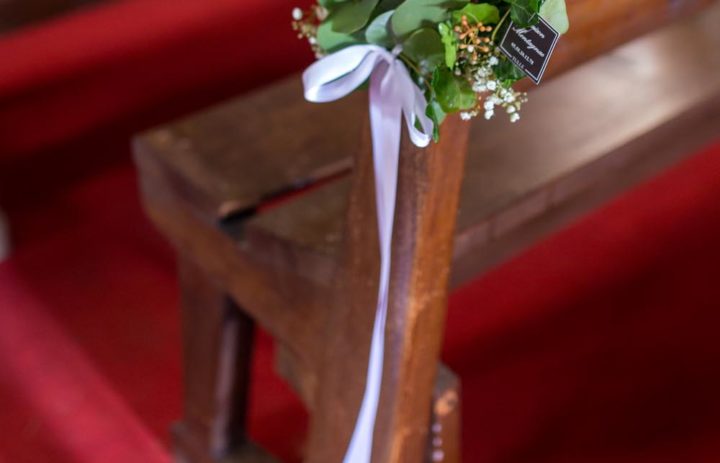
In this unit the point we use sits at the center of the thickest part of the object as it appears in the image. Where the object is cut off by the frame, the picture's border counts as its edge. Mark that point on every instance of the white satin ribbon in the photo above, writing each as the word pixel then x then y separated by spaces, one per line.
pixel 392 94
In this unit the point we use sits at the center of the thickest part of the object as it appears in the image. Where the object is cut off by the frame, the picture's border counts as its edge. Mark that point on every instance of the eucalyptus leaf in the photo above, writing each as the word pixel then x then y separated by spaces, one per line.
pixel 425 47
pixel 555 13
pixel 453 93
pixel 352 15
pixel 331 41
pixel 378 32
pixel 478 13
pixel 411 15
pixel 524 13
pixel 437 115
pixel 387 5
pixel 507 72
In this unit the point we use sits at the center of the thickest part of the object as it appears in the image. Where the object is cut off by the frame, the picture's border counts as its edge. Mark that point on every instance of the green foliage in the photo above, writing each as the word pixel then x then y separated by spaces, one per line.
pixel 524 13
pixel 436 114
pixel 440 54
pixel 414 14
pixel 478 13
pixel 352 15
pixel 507 73
pixel 425 48
pixel 449 41
pixel 331 41
pixel 378 32
pixel 555 13
pixel 452 92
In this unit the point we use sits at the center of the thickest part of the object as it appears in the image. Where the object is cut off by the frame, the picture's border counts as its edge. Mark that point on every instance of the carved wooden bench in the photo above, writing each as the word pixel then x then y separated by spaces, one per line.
pixel 305 267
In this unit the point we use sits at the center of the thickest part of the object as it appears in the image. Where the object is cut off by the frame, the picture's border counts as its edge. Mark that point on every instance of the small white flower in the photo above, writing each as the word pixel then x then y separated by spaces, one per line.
pixel 312 40
pixel 514 117
pixel 297 14
pixel 492 85
pixel 509 98
pixel 489 114
pixel 479 87
pixel 482 72
pixel 457 72
pixel 470 49
pixel 465 116
pixel 493 61
pixel 496 100
pixel 511 109
pixel 489 105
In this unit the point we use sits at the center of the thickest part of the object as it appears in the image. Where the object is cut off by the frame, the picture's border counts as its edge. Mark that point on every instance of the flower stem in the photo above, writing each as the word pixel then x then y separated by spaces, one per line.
pixel 497 28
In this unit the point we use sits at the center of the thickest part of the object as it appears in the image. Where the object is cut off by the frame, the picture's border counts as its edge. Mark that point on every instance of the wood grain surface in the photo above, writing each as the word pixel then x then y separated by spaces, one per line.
pixel 614 121
pixel 240 154
pixel 306 269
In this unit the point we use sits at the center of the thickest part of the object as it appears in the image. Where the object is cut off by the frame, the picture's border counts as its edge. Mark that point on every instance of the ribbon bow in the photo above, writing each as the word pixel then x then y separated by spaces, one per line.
pixel 392 95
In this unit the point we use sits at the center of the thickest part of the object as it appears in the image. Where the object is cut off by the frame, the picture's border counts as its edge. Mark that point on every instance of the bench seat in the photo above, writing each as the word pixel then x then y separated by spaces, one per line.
pixel 253 195
pixel 574 149
pixel 217 183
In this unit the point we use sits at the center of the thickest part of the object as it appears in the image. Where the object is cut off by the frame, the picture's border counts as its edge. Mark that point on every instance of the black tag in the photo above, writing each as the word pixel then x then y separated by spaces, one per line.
pixel 530 49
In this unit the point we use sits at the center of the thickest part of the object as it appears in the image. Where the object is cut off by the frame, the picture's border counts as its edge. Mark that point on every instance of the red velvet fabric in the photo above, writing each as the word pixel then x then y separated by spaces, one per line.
pixel 62 79
pixel 597 345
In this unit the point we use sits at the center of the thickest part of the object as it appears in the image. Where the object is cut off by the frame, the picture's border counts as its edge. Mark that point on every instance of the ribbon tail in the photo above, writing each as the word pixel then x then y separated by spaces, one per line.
pixel 385 125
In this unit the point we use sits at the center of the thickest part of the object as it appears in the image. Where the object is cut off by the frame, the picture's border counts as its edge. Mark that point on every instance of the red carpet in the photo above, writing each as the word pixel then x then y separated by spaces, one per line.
pixel 598 345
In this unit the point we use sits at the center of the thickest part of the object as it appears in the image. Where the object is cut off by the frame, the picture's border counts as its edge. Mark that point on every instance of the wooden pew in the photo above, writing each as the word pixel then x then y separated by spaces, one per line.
pixel 20 13
pixel 305 269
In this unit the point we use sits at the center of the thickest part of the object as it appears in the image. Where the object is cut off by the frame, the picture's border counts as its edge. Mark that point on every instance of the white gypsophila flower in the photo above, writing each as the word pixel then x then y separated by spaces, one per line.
pixel 489 105
pixel 470 49
pixel 493 61
pixel 496 100
pixel 479 87
pixel 509 98
pixel 297 14
pixel 465 116
pixel 492 85
pixel 511 109
pixel 514 117
pixel 489 114
pixel 312 40
pixel 482 72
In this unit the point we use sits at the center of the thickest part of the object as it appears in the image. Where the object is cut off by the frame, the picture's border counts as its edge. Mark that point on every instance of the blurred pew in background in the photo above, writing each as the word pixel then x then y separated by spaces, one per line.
pixel 18 13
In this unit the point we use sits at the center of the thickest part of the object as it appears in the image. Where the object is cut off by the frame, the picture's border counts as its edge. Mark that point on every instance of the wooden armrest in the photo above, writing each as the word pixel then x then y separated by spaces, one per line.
pixel 625 116
pixel 583 138
pixel 229 160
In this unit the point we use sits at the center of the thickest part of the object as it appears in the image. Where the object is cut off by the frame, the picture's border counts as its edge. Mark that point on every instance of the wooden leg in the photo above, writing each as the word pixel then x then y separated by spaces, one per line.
pixel 217 348
pixel 427 202
pixel 4 237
